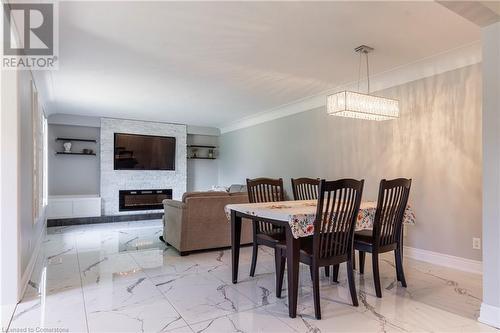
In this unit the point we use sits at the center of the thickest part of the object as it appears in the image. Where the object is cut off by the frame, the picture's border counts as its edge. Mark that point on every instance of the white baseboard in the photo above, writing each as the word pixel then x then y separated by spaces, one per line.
pixel 31 265
pixel 490 315
pixel 463 264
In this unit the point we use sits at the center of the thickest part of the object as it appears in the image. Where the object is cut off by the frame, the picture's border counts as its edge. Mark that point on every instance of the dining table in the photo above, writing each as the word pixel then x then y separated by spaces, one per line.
pixel 297 218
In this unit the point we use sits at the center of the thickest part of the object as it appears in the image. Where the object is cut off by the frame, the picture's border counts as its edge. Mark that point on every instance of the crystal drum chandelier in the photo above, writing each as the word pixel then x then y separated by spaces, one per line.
pixel 362 106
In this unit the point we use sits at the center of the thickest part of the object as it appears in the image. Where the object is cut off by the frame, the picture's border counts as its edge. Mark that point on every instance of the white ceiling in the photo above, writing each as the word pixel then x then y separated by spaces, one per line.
pixel 211 63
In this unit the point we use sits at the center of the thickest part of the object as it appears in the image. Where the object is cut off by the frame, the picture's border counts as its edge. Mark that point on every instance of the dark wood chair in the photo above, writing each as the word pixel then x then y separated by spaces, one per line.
pixel 332 242
pixel 387 229
pixel 265 190
pixel 305 188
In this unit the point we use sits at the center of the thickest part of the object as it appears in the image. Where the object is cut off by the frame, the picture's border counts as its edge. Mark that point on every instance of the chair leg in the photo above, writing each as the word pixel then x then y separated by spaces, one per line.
pixel 352 285
pixel 353 258
pixel 399 267
pixel 335 273
pixel 255 250
pixel 254 259
pixel 376 274
pixel 398 273
pixel 280 271
pixel 361 262
pixel 317 306
pixel 327 271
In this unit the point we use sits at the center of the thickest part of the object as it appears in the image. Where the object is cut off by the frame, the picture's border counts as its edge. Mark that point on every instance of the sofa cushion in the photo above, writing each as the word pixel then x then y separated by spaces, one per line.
pixel 203 194
pixel 219 188
pixel 237 188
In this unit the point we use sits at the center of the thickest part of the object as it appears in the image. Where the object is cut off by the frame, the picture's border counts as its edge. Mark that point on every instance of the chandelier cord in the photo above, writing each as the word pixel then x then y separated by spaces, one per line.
pixel 368 73
pixel 359 70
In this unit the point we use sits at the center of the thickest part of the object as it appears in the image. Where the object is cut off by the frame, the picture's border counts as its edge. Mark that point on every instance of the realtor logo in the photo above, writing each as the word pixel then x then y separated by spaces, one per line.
pixel 29 36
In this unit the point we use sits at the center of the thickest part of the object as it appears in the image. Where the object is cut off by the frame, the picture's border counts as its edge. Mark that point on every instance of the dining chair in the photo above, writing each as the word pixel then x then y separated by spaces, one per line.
pixel 305 188
pixel 332 241
pixel 267 234
pixel 386 235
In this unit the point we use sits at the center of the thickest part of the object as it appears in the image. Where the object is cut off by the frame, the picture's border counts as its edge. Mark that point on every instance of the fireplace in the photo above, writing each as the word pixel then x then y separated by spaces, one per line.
pixel 143 199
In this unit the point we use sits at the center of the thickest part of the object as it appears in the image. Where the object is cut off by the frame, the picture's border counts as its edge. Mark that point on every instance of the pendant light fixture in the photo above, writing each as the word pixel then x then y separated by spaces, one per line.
pixel 362 106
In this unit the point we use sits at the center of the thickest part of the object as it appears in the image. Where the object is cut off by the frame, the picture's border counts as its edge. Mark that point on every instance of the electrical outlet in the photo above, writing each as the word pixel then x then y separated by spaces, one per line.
pixel 476 243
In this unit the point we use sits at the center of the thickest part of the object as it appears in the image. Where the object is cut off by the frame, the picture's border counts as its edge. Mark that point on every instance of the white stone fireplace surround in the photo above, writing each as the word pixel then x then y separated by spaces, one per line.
pixel 112 181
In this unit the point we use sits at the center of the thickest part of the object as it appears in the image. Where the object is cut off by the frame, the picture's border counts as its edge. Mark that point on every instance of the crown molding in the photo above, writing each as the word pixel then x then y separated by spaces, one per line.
pixel 463 56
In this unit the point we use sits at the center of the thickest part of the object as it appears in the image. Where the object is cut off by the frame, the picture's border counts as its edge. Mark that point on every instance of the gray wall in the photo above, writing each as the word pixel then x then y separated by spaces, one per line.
pixel 437 142
pixel 20 232
pixel 490 38
pixel 202 174
pixel 70 175
pixel 74 120
pixel 9 195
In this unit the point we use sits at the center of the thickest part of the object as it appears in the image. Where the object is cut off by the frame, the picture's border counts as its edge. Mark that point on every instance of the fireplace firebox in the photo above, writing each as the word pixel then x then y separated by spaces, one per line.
pixel 143 199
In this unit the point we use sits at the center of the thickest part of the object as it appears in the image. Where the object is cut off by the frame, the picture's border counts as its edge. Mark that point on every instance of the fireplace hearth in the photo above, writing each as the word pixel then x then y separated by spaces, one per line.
pixel 131 200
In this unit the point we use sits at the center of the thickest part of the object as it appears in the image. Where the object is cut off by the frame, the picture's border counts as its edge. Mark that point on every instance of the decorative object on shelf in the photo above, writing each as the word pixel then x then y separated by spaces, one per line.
pixel 362 106
pixel 194 151
pixel 87 151
pixel 210 153
pixel 67 147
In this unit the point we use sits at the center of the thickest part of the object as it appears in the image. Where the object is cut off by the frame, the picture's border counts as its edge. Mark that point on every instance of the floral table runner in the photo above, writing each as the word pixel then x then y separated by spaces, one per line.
pixel 300 214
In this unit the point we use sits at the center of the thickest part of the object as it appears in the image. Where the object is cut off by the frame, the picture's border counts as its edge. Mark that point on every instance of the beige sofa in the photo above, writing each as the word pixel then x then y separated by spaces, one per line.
pixel 198 222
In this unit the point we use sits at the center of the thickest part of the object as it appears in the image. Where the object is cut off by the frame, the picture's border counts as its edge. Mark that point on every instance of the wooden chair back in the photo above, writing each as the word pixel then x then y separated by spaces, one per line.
pixel 337 211
pixel 305 188
pixel 391 206
pixel 265 190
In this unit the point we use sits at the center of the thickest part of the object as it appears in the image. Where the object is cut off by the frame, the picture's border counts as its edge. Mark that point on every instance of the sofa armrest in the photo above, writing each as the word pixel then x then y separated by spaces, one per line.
pixel 173 203
pixel 173 223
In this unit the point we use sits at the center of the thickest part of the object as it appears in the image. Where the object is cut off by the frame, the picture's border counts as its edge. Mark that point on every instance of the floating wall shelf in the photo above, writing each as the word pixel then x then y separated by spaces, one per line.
pixel 74 139
pixel 201 158
pixel 65 153
pixel 201 146
pixel 207 152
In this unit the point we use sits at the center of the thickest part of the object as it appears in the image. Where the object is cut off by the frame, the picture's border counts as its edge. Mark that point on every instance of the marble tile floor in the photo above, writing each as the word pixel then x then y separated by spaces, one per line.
pixel 119 277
